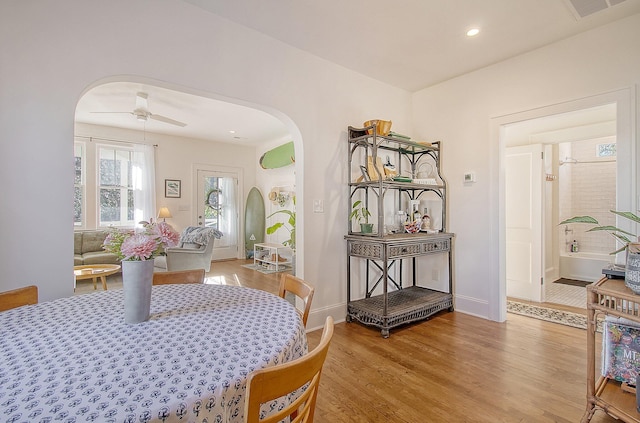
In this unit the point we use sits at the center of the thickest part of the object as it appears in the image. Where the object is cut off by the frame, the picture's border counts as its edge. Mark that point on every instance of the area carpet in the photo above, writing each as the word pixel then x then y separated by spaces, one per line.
pixel 572 282
pixel 549 314
pixel 281 268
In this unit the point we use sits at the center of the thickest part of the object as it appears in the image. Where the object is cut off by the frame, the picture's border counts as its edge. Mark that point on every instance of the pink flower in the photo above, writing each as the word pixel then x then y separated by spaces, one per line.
pixel 128 244
pixel 167 236
pixel 139 247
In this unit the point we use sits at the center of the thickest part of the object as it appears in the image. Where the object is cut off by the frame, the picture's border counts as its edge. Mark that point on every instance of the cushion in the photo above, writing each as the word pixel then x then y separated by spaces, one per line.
pixel 100 257
pixel 92 241
pixel 77 260
pixel 77 243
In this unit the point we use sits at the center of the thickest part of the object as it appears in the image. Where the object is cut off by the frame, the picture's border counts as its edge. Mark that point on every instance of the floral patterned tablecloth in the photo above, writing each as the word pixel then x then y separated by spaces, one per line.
pixel 75 360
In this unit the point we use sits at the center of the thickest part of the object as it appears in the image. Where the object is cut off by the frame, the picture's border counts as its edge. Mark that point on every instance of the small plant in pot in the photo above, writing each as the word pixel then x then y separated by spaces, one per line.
pixel 632 247
pixel 360 213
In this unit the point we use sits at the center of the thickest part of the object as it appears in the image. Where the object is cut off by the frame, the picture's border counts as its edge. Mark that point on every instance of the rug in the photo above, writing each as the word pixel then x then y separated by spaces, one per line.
pixel 259 268
pixel 572 282
pixel 550 315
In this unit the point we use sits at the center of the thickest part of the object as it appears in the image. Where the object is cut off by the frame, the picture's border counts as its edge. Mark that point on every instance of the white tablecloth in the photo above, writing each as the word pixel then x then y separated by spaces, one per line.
pixel 75 360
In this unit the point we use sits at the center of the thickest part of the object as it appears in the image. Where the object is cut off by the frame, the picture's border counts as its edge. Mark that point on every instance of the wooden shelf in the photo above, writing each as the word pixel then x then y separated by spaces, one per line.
pixel 609 297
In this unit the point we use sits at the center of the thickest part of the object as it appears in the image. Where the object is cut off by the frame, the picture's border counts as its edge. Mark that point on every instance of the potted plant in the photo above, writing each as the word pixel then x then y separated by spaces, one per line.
pixel 289 225
pixel 632 265
pixel 360 213
pixel 619 234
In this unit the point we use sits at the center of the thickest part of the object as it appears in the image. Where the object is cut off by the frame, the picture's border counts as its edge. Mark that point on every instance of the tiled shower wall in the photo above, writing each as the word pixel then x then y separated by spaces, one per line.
pixel 587 187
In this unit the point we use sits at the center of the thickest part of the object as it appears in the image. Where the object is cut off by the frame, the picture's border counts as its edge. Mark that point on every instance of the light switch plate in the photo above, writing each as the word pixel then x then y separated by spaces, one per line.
pixel 318 206
pixel 469 177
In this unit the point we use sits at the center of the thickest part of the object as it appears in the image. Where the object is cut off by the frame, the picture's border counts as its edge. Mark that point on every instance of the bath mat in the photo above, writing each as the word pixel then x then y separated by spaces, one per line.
pixel 572 282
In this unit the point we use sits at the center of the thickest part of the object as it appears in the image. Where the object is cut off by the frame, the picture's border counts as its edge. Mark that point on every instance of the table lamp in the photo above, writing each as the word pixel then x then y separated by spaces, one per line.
pixel 164 213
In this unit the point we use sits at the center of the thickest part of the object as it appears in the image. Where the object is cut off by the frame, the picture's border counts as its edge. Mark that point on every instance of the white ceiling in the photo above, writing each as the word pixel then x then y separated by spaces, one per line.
pixel 206 119
pixel 410 44
pixel 413 44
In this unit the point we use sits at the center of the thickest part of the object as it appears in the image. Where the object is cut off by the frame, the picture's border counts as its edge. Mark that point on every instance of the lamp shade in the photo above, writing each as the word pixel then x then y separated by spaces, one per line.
pixel 164 213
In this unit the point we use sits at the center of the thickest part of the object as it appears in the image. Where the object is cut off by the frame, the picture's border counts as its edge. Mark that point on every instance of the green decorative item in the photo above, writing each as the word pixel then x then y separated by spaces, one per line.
pixel 361 214
pixel 289 225
pixel 254 221
pixel 280 156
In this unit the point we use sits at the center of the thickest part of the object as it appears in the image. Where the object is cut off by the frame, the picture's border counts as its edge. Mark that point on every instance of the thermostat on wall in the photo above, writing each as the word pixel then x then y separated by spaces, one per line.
pixel 469 177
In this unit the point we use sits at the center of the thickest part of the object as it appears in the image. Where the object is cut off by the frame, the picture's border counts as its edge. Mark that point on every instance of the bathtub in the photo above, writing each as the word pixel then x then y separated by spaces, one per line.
pixel 584 266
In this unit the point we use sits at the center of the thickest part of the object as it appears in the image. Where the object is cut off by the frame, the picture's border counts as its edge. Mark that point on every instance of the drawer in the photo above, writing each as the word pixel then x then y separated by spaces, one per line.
pixel 436 246
pixel 404 250
pixel 366 250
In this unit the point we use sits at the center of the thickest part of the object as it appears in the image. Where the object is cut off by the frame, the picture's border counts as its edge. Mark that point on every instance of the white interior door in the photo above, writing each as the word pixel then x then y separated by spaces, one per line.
pixel 218 207
pixel 523 215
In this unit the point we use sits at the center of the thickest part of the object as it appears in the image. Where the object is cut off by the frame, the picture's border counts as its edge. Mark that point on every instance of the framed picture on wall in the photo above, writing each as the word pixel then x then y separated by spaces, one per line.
pixel 172 188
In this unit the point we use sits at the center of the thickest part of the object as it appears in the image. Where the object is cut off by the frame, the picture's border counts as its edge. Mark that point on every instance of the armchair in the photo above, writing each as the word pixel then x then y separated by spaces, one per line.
pixel 194 251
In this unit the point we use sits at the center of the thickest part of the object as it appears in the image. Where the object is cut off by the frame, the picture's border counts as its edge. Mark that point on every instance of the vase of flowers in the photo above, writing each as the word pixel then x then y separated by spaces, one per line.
pixel 136 250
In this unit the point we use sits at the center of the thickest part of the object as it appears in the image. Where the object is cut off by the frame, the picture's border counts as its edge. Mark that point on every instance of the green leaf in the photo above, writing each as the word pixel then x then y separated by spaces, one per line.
pixel 627 215
pixel 273 228
pixel 580 219
pixel 610 229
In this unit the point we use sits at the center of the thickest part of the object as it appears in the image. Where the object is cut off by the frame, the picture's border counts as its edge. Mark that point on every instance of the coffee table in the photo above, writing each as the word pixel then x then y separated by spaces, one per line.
pixel 95 271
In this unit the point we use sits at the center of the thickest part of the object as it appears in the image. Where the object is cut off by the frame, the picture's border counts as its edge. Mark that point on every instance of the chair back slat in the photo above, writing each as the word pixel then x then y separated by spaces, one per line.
pixel 179 276
pixel 298 287
pixel 18 297
pixel 270 383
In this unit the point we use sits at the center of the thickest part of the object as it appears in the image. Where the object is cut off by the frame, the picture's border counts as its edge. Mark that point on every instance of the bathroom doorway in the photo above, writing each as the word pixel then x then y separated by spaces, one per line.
pixel 580 176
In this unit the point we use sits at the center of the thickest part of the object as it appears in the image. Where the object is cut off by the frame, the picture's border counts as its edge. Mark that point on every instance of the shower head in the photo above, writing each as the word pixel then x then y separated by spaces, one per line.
pixel 568 160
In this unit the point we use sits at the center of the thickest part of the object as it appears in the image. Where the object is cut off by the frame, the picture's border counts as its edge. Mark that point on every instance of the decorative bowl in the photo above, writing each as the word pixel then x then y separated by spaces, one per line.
pixel 382 126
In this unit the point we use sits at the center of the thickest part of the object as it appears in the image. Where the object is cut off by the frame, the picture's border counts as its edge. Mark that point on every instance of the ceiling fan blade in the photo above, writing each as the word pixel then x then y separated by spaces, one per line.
pixel 166 120
pixel 129 113
pixel 141 101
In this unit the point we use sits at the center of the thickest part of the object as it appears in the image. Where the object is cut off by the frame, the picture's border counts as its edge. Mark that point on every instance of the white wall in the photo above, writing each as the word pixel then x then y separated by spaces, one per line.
pixel 459 111
pixel 52 52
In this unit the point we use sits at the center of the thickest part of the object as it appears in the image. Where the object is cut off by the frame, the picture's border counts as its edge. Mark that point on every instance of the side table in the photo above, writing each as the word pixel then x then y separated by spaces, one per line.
pixel 94 271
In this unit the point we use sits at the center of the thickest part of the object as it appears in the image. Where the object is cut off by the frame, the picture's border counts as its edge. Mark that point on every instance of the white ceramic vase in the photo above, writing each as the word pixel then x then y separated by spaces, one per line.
pixel 137 278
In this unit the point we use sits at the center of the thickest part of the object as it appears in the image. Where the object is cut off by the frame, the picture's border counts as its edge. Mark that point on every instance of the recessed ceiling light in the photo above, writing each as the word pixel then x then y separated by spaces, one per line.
pixel 232 132
pixel 473 32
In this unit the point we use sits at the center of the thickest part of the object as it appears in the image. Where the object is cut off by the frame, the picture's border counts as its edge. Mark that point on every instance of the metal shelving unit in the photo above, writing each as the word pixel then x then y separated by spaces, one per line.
pixel 402 300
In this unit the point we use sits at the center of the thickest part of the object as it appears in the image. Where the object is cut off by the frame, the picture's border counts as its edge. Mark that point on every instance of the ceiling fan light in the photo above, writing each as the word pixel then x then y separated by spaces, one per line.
pixel 141 118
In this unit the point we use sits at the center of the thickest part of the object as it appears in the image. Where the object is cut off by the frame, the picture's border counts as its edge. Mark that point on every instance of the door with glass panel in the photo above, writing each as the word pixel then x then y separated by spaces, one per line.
pixel 217 208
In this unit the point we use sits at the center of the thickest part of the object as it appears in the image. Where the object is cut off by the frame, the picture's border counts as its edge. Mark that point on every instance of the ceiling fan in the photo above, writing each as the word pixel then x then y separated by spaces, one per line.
pixel 142 113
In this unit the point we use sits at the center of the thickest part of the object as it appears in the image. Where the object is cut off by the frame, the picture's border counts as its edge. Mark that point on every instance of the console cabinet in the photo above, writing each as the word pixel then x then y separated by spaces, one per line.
pixel 391 293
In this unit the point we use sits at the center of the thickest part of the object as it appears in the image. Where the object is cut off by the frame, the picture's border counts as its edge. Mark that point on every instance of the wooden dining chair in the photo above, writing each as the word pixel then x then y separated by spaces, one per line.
pixel 274 382
pixel 301 289
pixel 18 297
pixel 179 276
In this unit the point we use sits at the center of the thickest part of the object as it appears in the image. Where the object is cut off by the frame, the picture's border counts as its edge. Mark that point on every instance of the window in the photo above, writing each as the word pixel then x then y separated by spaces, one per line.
pixel 79 185
pixel 110 179
pixel 115 186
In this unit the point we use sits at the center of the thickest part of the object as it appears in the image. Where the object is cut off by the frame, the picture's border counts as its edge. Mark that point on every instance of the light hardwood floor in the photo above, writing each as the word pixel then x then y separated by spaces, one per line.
pixel 451 368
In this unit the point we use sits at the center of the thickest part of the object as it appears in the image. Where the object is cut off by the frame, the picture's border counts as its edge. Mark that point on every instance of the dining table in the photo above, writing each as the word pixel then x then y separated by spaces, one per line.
pixel 75 359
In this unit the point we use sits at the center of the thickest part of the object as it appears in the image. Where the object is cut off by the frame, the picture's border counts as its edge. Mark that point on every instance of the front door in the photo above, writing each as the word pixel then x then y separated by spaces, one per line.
pixel 218 208
pixel 523 215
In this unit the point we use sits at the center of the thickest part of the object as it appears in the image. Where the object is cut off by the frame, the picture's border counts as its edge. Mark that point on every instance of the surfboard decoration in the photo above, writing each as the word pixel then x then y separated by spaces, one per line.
pixel 280 156
pixel 254 221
